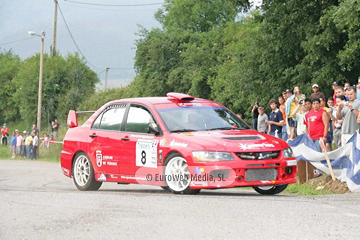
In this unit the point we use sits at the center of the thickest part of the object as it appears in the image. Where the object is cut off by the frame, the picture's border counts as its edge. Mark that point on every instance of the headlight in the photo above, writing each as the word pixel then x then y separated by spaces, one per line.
pixel 207 156
pixel 288 153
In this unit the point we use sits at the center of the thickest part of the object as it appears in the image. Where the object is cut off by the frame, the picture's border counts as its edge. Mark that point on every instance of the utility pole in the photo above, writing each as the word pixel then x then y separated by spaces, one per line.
pixel 55 25
pixel 106 77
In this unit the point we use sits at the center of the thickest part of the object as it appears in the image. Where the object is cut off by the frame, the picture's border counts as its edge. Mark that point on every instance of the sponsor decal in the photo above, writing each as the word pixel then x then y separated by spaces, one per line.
pixel 102 177
pixel 141 136
pixel 65 171
pixel 189 104
pixel 146 153
pixel 255 145
pixel 98 158
pixel 111 163
pixel 187 134
pixel 162 142
pixel 133 177
pixel 272 181
pixel 173 143
pixel 291 162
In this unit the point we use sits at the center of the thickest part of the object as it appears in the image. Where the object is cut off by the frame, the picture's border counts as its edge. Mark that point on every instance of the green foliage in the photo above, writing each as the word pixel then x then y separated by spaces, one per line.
pixel 66 83
pixel 304 190
pixel 10 64
pixel 200 15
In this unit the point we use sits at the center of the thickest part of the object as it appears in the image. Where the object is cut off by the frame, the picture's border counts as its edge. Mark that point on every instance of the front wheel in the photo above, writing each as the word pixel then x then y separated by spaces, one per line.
pixel 270 190
pixel 177 175
pixel 83 174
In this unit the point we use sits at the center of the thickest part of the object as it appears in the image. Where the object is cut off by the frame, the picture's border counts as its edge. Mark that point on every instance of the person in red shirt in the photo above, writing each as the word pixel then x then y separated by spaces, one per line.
pixel 317 123
pixel 4 134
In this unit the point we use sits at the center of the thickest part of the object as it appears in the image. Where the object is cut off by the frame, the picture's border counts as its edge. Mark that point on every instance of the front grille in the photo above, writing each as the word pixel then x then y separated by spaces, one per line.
pixel 262 174
pixel 258 155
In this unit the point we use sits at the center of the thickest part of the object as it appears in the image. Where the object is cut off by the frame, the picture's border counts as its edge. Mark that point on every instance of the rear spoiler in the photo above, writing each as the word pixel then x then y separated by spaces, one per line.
pixel 72 119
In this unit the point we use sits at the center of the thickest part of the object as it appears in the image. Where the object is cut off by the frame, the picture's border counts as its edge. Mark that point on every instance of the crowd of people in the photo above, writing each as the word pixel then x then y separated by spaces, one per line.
pixel 332 120
pixel 27 145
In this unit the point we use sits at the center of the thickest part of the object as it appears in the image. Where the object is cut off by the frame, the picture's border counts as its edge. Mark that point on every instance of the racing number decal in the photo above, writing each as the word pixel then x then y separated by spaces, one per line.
pixel 143 157
pixel 146 153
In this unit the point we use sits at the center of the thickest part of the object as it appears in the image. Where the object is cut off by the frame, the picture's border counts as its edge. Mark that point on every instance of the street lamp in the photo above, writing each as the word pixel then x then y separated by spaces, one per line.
pixel 31 33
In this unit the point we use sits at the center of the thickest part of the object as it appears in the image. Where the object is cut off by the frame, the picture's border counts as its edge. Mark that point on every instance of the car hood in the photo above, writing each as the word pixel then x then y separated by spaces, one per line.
pixel 229 140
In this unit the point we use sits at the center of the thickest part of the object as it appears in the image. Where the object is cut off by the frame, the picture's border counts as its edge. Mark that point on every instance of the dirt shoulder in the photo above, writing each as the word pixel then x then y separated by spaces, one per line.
pixel 325 182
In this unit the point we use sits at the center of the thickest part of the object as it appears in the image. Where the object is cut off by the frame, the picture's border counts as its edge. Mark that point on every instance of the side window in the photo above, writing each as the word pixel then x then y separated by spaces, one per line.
pixel 111 118
pixel 138 120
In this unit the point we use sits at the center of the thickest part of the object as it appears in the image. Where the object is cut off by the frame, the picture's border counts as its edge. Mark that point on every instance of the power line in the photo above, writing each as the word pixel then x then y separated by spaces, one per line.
pixel 115 5
pixel 62 15
pixel 17 41
pixel 107 9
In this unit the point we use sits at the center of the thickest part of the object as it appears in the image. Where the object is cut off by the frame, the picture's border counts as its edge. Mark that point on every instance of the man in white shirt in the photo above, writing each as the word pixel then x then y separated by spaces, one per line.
pixel 35 143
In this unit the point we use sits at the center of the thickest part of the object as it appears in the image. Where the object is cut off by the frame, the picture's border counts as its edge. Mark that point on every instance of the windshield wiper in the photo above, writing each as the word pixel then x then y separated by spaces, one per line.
pixel 224 128
pixel 183 130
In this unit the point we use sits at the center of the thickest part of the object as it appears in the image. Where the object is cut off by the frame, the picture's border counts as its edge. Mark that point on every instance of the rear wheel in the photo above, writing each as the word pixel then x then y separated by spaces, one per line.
pixel 177 175
pixel 83 174
pixel 270 190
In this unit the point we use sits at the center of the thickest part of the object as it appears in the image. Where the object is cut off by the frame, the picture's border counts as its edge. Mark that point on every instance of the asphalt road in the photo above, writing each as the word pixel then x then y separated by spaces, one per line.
pixel 38 202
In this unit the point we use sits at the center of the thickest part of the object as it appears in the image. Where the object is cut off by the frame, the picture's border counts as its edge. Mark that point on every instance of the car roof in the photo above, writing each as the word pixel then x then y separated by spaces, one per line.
pixel 159 100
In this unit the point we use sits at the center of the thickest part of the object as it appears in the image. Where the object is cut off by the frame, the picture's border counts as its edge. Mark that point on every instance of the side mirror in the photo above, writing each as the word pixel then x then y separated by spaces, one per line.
pixel 153 128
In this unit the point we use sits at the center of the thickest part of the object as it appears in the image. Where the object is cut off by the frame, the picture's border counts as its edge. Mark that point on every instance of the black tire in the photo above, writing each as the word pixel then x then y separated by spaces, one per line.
pixel 270 190
pixel 83 174
pixel 165 188
pixel 182 186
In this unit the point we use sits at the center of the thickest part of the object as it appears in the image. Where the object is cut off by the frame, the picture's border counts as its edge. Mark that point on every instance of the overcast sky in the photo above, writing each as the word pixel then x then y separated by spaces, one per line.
pixel 104 34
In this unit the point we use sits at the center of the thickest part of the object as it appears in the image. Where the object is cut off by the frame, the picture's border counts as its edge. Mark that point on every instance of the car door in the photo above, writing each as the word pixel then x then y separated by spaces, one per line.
pixel 105 139
pixel 141 147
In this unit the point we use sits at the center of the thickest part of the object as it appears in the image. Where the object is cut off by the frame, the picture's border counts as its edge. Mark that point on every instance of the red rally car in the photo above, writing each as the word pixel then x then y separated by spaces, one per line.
pixel 180 143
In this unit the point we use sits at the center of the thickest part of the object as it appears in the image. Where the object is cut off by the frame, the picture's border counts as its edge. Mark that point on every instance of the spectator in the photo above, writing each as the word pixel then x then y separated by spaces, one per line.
pixel 55 128
pixel 346 86
pixel 34 128
pixel 282 108
pixel 334 85
pixel 316 93
pixel 28 145
pixel 358 91
pixel 298 96
pixel 255 113
pixel 317 123
pixel 329 111
pixel 13 145
pixel 35 142
pixel 290 106
pixel 23 148
pixel 284 95
pixel 262 120
pixel 4 135
pixel 45 141
pixel 337 123
pixel 299 114
pixel 349 110
pixel 276 121
pixel 339 90
pixel 19 140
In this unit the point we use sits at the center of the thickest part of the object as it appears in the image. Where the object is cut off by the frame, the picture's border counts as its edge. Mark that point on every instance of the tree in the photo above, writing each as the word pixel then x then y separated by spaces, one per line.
pixel 199 15
pixel 10 65
pixel 66 83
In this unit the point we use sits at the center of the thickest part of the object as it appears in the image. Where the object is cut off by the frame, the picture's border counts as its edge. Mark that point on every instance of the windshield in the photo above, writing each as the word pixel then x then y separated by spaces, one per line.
pixel 186 119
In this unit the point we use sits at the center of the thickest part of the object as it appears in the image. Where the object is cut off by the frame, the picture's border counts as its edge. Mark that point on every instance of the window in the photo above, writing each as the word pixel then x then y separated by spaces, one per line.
pixel 138 120
pixel 111 118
